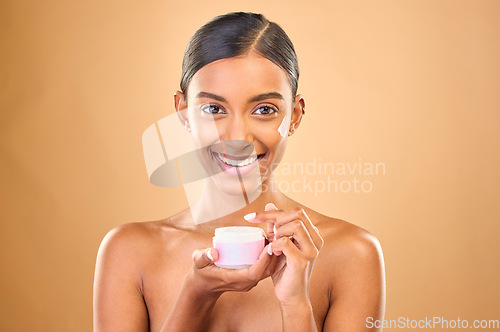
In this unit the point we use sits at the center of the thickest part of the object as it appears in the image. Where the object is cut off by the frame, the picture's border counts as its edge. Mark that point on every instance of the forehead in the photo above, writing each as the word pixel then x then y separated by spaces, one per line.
pixel 240 77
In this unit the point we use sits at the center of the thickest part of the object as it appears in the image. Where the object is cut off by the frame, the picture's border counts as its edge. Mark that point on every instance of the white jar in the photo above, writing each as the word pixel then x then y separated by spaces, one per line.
pixel 238 246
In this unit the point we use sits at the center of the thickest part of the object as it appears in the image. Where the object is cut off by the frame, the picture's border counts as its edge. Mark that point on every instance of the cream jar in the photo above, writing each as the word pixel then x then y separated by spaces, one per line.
pixel 238 246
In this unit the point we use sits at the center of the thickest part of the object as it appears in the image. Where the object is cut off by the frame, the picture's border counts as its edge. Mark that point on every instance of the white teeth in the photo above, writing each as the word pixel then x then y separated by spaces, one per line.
pixel 237 163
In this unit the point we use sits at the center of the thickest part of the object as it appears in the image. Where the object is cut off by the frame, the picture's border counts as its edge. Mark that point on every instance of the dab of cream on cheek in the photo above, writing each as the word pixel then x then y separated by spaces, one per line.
pixel 284 126
pixel 238 246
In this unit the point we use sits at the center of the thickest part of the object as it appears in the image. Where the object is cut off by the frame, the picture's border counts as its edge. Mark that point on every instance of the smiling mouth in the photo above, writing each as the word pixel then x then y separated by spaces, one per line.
pixel 234 161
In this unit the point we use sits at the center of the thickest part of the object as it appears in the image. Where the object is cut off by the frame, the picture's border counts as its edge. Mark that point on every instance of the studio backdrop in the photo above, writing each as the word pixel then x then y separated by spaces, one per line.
pixel 401 137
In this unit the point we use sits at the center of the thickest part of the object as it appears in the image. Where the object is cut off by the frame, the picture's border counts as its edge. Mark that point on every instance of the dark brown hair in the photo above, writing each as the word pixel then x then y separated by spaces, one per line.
pixel 234 34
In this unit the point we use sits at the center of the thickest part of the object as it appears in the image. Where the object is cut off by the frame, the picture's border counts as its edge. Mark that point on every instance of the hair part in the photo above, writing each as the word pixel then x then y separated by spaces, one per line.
pixel 236 34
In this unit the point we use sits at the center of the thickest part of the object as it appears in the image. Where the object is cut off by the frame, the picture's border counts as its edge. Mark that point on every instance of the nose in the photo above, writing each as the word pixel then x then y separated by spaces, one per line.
pixel 237 138
pixel 238 147
pixel 238 129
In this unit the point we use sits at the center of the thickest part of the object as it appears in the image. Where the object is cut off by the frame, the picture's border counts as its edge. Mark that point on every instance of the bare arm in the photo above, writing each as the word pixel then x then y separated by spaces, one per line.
pixel 295 247
pixel 358 285
pixel 193 306
pixel 298 317
pixel 204 284
pixel 118 301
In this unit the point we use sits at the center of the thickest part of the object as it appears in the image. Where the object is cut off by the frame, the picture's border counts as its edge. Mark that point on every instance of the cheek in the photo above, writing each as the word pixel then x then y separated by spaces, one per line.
pixel 274 133
pixel 204 132
pixel 268 136
pixel 207 136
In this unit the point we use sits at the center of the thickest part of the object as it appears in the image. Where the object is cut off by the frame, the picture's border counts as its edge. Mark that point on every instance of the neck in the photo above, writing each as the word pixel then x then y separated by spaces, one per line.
pixel 217 208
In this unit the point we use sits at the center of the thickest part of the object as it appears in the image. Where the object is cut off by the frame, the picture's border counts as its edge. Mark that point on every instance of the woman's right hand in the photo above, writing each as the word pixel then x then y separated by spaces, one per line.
pixel 209 280
pixel 205 282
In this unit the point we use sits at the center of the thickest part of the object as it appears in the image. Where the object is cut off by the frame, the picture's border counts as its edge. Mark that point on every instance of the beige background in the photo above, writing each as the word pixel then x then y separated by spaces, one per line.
pixel 411 84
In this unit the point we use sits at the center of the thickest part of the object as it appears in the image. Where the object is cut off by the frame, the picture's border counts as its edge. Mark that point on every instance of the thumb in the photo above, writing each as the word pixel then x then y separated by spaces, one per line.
pixel 270 226
pixel 204 257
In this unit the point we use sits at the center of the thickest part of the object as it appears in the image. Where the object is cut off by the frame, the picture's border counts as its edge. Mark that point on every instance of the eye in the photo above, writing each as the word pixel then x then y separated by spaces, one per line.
pixel 212 109
pixel 265 110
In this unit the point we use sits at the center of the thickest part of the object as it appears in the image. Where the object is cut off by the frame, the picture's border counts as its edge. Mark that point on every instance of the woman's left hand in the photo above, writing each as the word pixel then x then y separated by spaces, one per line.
pixel 295 242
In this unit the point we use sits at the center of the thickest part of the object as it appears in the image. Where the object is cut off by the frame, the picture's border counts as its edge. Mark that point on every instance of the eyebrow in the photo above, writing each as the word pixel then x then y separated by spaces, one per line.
pixel 262 96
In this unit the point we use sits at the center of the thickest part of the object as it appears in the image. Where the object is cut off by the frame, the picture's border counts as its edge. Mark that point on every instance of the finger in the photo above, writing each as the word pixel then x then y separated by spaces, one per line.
pixel 300 214
pixel 277 218
pixel 204 257
pixel 263 216
pixel 272 267
pixel 251 217
pixel 301 237
pixel 287 247
pixel 271 235
pixel 297 230
pixel 281 263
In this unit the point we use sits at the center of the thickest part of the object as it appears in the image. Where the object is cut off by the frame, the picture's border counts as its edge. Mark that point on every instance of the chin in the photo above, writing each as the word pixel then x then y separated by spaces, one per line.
pixel 232 186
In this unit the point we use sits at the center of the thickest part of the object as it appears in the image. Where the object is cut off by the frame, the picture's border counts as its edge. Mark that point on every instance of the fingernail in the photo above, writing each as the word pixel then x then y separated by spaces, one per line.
pixel 209 254
pixel 274 231
pixel 269 249
pixel 250 216
pixel 270 206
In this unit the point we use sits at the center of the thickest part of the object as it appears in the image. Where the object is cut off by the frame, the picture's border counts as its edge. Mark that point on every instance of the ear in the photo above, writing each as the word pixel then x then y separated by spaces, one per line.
pixel 181 108
pixel 297 113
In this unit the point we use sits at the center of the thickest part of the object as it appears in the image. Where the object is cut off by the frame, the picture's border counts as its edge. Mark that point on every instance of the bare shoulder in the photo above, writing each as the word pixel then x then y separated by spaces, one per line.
pixel 344 242
pixel 126 234
pixel 345 239
pixel 124 255
pixel 128 250
pixel 127 238
pixel 136 238
pixel 347 248
pixel 351 266
pixel 342 235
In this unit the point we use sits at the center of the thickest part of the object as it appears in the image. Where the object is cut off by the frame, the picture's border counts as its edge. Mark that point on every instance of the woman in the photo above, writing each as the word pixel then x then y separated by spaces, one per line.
pixel 240 71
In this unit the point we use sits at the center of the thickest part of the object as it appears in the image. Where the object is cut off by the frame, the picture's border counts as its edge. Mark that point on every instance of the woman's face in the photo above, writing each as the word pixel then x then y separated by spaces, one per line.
pixel 234 110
